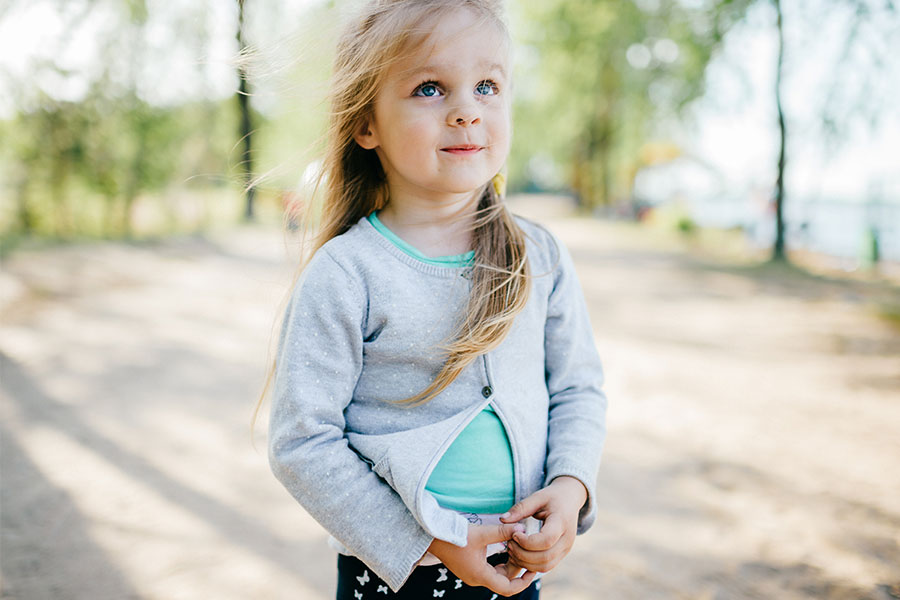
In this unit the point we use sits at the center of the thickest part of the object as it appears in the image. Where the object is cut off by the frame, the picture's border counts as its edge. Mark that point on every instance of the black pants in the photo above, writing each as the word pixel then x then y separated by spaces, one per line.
pixel 357 582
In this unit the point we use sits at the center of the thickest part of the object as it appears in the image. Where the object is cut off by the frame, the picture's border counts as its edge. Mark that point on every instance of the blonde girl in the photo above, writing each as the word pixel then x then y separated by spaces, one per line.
pixel 436 390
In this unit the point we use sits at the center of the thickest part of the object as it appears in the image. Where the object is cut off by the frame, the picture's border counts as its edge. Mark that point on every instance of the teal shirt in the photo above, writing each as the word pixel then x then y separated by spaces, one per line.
pixel 455 260
pixel 475 474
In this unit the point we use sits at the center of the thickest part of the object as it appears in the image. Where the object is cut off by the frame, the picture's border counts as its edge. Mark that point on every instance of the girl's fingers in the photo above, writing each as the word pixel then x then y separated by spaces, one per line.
pixel 551 532
pixel 498 582
pixel 542 561
pixel 525 508
pixel 510 570
pixel 541 551
pixel 491 534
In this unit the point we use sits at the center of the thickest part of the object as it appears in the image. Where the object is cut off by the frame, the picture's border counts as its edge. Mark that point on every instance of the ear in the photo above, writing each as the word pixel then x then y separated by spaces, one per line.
pixel 365 135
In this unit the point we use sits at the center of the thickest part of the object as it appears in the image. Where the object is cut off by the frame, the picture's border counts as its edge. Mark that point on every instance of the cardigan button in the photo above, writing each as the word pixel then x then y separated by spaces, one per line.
pixel 486 391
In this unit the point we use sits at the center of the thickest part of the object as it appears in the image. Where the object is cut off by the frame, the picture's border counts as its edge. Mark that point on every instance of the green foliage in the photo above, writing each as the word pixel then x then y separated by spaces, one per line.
pixel 686 225
pixel 77 168
pixel 90 167
pixel 602 78
pixel 583 113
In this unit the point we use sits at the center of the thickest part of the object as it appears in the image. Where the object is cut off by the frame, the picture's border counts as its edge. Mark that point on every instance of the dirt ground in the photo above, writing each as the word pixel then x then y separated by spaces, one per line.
pixel 753 447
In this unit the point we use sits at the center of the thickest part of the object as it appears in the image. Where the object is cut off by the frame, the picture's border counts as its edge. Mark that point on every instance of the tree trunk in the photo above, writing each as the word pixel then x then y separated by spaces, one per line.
pixel 63 220
pixel 23 203
pixel 132 186
pixel 582 178
pixel 109 225
pixel 604 156
pixel 778 253
pixel 246 124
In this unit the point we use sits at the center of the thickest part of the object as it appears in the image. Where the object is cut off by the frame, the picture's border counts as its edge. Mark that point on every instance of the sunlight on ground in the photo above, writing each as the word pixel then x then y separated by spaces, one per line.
pixel 753 417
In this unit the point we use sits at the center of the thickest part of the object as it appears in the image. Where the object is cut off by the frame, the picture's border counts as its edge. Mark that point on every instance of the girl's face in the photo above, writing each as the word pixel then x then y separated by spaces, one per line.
pixel 441 123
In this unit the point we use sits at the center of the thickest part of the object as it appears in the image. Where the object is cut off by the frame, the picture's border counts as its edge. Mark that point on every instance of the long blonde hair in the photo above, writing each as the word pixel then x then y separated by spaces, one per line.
pixel 354 183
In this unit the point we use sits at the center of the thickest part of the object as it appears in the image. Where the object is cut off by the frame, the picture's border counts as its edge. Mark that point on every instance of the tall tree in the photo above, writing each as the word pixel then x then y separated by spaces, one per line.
pixel 246 126
pixel 877 18
pixel 111 145
pixel 778 253
pixel 609 72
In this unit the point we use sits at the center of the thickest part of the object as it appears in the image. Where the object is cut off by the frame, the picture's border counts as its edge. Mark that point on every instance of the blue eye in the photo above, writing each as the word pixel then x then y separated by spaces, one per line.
pixel 428 89
pixel 487 88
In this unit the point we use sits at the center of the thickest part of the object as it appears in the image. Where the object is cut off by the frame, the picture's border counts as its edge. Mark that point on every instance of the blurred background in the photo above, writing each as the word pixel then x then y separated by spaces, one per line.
pixel 725 172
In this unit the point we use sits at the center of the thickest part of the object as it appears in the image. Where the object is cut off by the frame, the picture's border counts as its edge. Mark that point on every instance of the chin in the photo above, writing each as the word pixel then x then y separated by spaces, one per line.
pixel 463 187
pixel 463 190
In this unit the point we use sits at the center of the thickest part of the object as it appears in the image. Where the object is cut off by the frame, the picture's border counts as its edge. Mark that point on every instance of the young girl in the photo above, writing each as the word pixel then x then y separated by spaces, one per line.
pixel 436 385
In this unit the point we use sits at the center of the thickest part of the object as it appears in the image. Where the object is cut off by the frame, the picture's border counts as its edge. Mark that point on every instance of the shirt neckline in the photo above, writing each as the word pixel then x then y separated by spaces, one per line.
pixel 465 259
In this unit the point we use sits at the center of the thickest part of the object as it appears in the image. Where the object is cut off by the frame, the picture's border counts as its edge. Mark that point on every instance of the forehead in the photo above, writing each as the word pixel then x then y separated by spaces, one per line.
pixel 459 40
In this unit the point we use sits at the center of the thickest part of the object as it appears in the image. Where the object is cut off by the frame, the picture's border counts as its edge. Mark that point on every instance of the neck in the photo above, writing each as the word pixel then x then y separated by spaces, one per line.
pixel 435 226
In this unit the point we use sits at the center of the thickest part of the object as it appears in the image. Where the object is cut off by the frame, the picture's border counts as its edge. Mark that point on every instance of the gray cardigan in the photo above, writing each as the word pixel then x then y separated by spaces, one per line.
pixel 361 328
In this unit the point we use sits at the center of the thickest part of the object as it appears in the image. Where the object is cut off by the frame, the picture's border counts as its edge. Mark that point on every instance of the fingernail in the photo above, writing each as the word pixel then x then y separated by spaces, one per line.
pixel 504 515
pixel 519 528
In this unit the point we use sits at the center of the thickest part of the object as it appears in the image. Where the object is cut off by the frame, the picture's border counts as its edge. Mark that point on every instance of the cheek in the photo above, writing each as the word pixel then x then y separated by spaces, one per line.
pixel 408 119
pixel 500 121
pixel 420 129
pixel 412 132
pixel 501 132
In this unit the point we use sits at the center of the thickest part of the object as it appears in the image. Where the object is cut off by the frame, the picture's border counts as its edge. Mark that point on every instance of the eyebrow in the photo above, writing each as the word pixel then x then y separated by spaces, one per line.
pixel 437 69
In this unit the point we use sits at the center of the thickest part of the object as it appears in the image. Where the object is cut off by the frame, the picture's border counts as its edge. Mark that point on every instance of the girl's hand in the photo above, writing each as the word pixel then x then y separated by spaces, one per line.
pixel 470 563
pixel 557 505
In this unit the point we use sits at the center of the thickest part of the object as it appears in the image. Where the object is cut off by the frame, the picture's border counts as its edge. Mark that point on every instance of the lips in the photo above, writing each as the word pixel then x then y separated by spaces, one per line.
pixel 463 149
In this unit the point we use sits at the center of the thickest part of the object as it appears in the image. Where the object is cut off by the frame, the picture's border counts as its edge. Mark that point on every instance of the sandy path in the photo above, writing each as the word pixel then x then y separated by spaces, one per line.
pixel 753 452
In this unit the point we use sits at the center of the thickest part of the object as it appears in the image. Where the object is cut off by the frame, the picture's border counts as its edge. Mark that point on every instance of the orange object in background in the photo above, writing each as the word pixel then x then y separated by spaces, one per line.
pixel 292 205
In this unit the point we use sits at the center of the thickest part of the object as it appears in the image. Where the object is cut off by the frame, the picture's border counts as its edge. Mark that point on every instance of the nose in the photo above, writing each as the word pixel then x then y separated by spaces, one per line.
pixel 463 115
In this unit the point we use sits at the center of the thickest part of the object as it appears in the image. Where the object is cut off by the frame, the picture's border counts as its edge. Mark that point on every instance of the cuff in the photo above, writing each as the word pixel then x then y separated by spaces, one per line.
pixel 588 513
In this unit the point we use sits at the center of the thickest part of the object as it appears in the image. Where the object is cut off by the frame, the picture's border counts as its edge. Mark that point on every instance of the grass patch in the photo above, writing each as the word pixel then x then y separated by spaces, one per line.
pixel 153 217
pixel 890 314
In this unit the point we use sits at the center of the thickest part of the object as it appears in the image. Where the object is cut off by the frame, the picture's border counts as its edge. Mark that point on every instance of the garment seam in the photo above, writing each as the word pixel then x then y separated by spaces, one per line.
pixel 364 301
pixel 410 250
pixel 444 272
pixel 423 479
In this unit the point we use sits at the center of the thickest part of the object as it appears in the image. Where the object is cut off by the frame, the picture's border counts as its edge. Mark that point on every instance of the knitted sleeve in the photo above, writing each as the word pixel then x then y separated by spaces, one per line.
pixel 574 375
pixel 318 362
